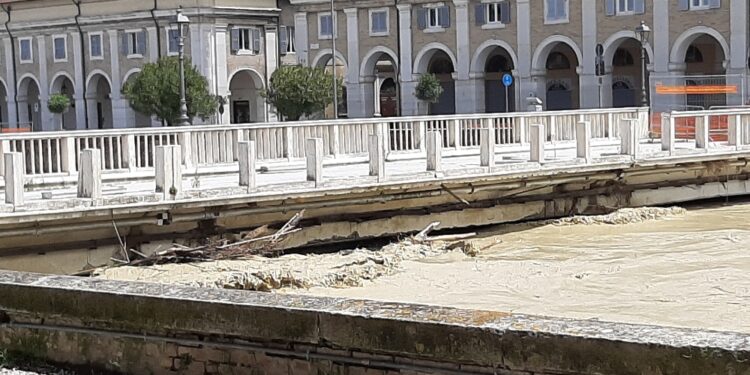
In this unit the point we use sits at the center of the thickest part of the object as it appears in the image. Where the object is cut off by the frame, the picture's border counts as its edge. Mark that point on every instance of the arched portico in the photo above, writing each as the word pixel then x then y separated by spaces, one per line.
pixel 62 83
pixel 492 60
pixel 555 69
pixel 245 102
pixel 29 103
pixel 378 73
pixel 99 100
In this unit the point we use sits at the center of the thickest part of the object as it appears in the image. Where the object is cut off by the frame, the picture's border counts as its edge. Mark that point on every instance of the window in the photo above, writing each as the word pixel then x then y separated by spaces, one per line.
pixel 625 6
pixel 173 41
pixel 60 52
pixel 325 26
pixel 246 41
pixel 700 4
pixel 493 14
pixel 95 46
pixel 434 18
pixel 379 22
pixel 27 55
pixel 133 44
pixel 556 11
pixel 286 39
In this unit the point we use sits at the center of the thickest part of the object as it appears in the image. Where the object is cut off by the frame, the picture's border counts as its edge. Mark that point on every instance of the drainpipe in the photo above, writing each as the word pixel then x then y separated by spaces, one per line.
pixel 83 63
pixel 398 56
pixel 6 9
pixel 156 23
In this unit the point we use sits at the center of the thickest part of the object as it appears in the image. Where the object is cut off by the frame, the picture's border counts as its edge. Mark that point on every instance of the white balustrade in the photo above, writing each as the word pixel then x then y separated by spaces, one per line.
pixel 133 150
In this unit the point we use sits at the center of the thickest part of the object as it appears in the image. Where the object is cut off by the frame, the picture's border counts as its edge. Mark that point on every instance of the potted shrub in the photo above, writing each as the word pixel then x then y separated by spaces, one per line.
pixel 59 104
pixel 428 88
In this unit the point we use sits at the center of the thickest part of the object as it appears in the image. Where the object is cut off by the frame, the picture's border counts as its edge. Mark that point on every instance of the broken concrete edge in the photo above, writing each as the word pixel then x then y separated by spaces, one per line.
pixel 484 338
pixel 525 171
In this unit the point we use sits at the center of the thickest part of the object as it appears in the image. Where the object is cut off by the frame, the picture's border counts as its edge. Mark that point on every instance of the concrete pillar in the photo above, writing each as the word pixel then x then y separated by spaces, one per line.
pixel 628 137
pixel 376 149
pixel 660 35
pixel 409 103
pixel 434 151
pixel 222 76
pixel 314 156
pixel 120 106
pixel 487 148
pixel 14 178
pixel 583 140
pixel 525 83
pixel 735 131
pixel 667 134
pixel 702 125
pixel 536 139
pixel 246 157
pixel 90 174
pixel 168 165
pixel 272 63
pixel 68 155
pixel 588 81
pixel 354 94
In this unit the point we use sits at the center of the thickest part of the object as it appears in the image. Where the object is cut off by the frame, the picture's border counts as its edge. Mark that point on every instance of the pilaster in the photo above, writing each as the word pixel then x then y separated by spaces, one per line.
pixel 10 84
pixel 525 83
pixel 661 36
pixel 46 116
pixel 78 81
pixel 355 94
pixel 272 63
pixel 588 80
pixel 300 38
pixel 409 104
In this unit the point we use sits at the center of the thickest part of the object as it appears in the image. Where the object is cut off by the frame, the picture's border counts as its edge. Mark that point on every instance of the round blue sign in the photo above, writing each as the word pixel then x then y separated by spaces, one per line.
pixel 507 79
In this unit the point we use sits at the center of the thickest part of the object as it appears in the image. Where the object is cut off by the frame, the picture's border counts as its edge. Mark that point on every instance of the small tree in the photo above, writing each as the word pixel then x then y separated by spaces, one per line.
pixel 155 91
pixel 428 89
pixel 297 91
pixel 58 103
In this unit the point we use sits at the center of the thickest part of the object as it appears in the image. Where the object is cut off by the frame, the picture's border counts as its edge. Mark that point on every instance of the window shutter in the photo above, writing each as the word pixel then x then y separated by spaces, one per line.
pixel 610 7
pixel 141 36
pixel 422 18
pixel 124 43
pixel 683 5
pixel 283 40
pixel 715 4
pixel 505 12
pixel 445 17
pixel 256 41
pixel 479 12
pixel 640 6
pixel 235 35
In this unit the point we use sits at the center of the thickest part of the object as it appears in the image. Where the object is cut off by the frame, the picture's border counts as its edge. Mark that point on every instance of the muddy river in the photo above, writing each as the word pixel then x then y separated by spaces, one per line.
pixel 690 270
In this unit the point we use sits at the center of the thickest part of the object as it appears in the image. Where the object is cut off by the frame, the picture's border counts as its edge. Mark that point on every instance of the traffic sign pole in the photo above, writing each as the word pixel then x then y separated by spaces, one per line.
pixel 507 81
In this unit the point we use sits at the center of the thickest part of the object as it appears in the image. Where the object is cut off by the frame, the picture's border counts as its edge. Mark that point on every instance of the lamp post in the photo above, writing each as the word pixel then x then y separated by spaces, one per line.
pixel 181 20
pixel 643 32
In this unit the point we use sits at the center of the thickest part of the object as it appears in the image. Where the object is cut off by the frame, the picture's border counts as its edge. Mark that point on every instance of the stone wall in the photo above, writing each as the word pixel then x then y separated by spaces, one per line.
pixel 148 328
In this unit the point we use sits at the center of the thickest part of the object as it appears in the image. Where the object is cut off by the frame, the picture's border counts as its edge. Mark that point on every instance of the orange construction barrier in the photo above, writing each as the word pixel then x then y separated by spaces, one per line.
pixel 15 130
pixel 718 130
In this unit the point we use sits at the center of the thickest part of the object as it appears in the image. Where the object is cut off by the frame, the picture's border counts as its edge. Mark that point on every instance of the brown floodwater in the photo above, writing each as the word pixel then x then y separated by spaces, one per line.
pixel 686 271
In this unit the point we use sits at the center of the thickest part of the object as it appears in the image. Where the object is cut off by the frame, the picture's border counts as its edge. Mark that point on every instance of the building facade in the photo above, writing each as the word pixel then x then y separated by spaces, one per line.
pixel 89 49
pixel 548 46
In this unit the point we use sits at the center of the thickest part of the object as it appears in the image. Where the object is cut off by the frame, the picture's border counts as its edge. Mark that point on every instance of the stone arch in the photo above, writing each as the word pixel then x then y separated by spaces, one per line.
pixel 245 102
pixel 422 61
pixel 321 59
pixel 485 49
pixel 133 118
pixel 372 57
pixel 29 102
pixel 99 100
pixel 4 116
pixel 62 83
pixel 683 42
pixel 543 49
pixel 615 40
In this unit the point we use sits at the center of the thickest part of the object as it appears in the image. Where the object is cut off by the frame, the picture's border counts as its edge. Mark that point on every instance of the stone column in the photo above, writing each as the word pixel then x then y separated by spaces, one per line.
pixel 583 141
pixel 152 33
pixel 314 158
pixel 14 178
pixel 536 139
pixel 354 91
pixel 487 148
pixel 272 62
pixel 409 103
pixel 434 151
pixel 47 118
pixel 119 105
pixel 525 81
pixel 246 157
pixel 168 166
pixel 660 35
pixel 300 38
pixel 466 92
pixel 90 174
pixel 738 49
pixel 376 150
pixel 222 77
pixel 588 81
pixel 11 88
pixel 78 79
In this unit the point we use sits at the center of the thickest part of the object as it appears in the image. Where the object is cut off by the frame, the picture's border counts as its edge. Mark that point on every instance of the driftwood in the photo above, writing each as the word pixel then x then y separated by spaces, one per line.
pixel 256 242
pixel 423 235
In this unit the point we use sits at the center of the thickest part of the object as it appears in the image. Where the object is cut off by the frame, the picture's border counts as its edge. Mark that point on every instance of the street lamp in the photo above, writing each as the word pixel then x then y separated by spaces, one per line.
pixel 643 32
pixel 181 20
